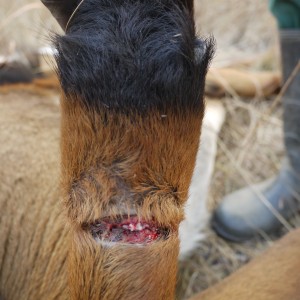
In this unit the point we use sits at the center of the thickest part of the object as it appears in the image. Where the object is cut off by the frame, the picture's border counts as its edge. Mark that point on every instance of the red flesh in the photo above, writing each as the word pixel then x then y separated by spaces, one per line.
pixel 128 230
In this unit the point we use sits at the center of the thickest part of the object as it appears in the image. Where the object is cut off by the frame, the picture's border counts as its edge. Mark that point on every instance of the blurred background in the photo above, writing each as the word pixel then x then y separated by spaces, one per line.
pixel 242 29
pixel 250 144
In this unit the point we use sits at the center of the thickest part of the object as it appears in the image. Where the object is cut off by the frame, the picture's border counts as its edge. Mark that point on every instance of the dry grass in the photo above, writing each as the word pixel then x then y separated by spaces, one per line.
pixel 251 141
pixel 251 147
pixel 243 30
pixel 257 158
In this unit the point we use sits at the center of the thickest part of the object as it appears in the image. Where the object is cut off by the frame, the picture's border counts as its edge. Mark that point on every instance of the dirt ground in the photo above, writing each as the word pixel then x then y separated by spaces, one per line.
pixel 250 144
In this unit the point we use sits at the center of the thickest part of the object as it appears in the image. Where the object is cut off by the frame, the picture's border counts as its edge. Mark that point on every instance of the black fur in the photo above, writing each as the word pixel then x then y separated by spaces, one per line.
pixel 133 55
pixel 61 10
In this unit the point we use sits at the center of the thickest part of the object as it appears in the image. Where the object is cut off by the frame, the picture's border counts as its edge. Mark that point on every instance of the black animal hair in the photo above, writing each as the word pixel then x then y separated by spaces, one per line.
pixel 133 55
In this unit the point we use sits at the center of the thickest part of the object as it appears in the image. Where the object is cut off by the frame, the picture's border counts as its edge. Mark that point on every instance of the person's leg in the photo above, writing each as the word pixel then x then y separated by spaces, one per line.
pixel 287 13
pixel 244 213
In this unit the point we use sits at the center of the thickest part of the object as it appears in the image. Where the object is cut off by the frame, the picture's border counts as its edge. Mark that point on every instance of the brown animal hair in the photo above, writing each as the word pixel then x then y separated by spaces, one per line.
pixel 132 107
pixel 34 244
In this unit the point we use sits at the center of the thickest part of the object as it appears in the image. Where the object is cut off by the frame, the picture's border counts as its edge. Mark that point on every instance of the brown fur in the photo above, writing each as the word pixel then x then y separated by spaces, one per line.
pixel 112 164
pixel 272 276
pixel 129 158
pixel 32 235
pixel 35 243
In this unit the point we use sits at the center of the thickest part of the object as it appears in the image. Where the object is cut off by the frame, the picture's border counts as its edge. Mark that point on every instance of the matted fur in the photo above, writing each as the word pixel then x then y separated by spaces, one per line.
pixel 118 168
pixel 132 108
pixel 102 167
pixel 34 243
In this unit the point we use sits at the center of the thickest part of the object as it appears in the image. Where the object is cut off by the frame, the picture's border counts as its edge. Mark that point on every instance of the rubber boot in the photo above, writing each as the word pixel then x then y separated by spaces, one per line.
pixel 264 208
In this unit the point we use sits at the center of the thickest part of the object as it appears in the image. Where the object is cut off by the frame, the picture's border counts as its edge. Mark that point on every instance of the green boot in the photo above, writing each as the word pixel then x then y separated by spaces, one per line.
pixel 250 211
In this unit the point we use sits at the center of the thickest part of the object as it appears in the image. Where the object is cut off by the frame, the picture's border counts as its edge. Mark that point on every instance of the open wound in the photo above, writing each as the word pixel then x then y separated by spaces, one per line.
pixel 128 230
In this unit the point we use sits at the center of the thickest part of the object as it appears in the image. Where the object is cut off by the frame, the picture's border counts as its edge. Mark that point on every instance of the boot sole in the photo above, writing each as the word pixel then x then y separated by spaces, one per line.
pixel 225 234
